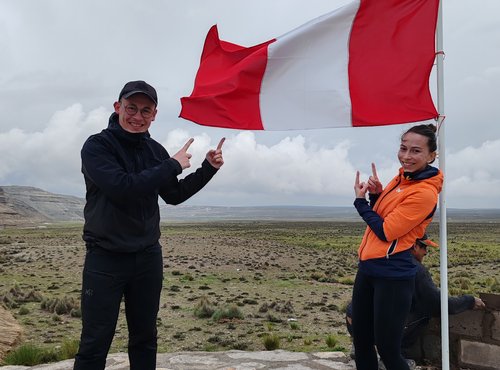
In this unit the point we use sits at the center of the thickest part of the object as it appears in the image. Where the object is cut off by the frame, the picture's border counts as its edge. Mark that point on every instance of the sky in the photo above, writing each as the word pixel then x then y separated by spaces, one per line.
pixel 64 63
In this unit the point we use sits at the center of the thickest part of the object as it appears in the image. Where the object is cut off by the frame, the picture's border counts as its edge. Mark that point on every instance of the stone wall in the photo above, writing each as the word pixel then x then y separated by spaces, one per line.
pixel 474 338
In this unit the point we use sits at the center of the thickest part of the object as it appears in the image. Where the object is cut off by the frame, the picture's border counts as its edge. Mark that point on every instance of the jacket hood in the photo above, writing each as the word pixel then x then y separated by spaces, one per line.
pixel 429 174
pixel 426 173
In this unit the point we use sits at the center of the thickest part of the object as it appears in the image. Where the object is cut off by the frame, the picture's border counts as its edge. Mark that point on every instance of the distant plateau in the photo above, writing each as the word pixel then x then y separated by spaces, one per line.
pixel 29 206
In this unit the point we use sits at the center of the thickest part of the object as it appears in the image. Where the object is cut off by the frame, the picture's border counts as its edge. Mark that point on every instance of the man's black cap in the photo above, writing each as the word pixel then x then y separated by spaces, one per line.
pixel 425 241
pixel 138 87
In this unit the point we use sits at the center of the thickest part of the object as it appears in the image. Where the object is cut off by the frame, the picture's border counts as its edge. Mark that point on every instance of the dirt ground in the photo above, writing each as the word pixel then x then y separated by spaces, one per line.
pixel 290 280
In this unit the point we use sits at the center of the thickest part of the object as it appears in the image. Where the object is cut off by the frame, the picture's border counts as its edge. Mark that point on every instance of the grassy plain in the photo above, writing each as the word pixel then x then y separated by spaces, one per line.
pixel 286 280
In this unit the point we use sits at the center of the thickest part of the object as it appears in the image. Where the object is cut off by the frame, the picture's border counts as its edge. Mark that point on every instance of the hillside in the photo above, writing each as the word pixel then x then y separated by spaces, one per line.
pixel 24 205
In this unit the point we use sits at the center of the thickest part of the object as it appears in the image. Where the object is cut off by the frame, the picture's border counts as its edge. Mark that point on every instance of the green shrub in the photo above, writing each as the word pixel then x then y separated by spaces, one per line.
pixel 495 286
pixel 49 355
pixel 272 318
pixel 179 336
pixel 186 277
pixel 60 306
pixel 69 349
pixel 208 347
pixel 294 325
pixel 76 312
pixel 8 301
pixel 24 310
pixel 347 280
pixel 462 283
pixel 231 312
pixel 343 307
pixel 318 276
pixel 240 346
pixel 204 309
pixel 331 341
pixel 27 355
pixel 16 296
pixel 271 342
pixel 32 296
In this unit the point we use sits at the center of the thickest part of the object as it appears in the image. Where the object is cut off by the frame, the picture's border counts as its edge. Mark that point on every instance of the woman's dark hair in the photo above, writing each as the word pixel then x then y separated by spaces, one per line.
pixel 429 131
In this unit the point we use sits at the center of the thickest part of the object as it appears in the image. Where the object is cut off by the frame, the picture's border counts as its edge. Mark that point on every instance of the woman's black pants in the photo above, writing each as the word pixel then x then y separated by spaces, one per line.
pixel 108 278
pixel 379 310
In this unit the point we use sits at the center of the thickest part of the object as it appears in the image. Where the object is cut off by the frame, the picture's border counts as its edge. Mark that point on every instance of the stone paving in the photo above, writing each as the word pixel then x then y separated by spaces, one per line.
pixel 229 360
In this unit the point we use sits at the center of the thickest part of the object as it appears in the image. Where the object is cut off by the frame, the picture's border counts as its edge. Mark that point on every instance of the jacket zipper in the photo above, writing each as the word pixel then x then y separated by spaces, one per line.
pixel 379 200
pixel 140 166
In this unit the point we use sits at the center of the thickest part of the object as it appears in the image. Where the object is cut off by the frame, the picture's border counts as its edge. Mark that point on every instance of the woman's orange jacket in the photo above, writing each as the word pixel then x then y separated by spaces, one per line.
pixel 406 206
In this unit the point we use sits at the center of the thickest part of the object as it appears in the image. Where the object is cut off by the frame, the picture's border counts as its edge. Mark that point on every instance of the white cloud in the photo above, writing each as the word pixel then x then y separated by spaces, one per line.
pixel 50 158
pixel 291 166
pixel 473 175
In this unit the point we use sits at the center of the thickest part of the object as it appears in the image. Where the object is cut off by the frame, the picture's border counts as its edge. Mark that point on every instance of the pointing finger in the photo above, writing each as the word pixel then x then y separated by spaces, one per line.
pixel 188 144
pixel 374 171
pixel 219 147
pixel 356 182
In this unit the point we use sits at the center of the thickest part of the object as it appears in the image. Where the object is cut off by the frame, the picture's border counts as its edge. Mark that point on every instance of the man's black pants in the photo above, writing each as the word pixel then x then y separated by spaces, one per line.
pixel 414 327
pixel 107 278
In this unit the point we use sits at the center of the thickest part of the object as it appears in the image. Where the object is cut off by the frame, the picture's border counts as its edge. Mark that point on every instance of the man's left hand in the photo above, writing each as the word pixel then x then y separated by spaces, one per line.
pixel 214 157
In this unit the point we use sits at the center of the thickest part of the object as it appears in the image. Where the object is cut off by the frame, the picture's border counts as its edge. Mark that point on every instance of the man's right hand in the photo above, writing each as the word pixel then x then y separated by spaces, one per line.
pixel 182 156
pixel 478 304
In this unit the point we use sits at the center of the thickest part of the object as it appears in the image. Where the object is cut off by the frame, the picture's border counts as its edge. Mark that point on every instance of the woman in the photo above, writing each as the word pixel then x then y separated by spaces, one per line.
pixel 396 217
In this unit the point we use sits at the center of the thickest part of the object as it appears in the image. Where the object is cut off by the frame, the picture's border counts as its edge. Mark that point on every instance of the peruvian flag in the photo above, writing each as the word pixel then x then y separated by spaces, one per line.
pixel 365 64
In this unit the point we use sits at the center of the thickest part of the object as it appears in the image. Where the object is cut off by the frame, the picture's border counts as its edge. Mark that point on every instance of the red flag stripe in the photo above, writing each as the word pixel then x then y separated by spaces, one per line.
pixel 391 54
pixel 232 74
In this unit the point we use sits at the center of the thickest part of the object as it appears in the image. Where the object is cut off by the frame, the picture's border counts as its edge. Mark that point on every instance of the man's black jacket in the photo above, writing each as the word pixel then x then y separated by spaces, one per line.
pixel 124 175
pixel 426 302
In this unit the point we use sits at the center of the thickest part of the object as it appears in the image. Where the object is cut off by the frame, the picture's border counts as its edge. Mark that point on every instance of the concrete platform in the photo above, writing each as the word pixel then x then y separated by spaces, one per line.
pixel 229 360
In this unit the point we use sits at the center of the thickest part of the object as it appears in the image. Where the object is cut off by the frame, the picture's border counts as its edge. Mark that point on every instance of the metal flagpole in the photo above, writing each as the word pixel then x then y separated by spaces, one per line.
pixel 443 246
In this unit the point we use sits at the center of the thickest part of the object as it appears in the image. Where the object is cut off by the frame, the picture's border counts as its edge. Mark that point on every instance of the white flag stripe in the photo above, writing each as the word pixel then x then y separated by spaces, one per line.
pixel 299 89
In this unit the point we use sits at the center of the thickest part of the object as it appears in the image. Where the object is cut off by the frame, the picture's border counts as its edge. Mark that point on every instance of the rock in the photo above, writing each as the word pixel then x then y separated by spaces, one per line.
pixel 10 332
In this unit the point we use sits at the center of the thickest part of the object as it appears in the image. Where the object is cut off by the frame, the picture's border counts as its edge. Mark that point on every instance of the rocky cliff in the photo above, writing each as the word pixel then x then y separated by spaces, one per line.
pixel 24 205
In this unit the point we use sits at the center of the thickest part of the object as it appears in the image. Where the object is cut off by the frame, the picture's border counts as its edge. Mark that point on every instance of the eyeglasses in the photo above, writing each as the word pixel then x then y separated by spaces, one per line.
pixel 145 112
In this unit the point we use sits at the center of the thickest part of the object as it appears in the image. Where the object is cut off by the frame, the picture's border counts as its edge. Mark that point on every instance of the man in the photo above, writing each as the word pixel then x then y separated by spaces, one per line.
pixel 426 301
pixel 125 171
